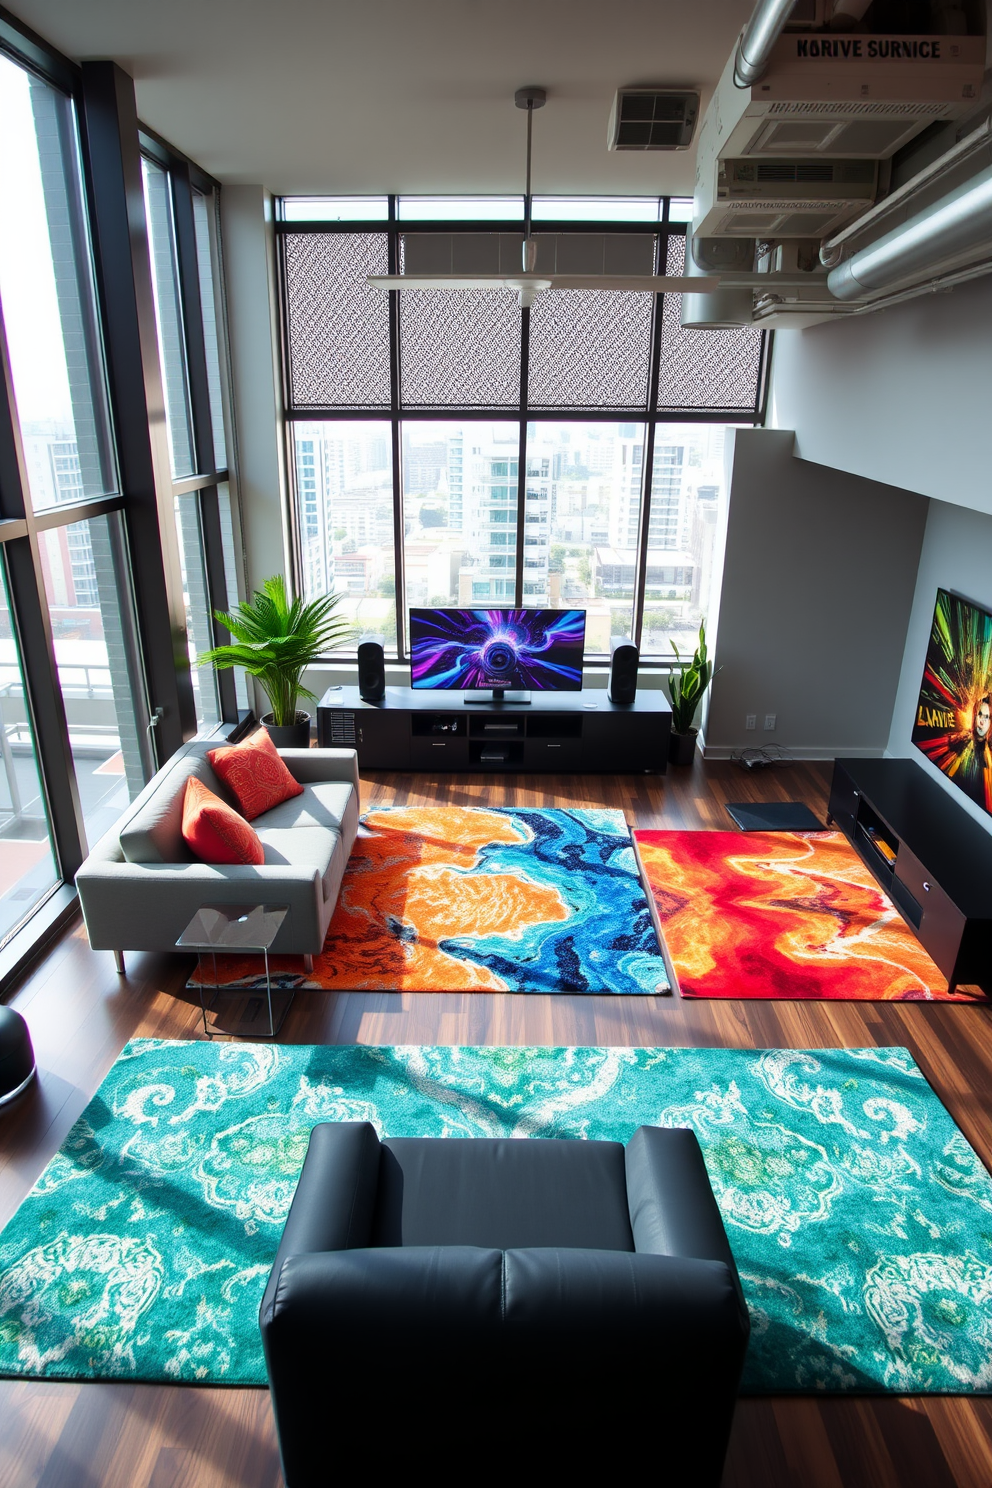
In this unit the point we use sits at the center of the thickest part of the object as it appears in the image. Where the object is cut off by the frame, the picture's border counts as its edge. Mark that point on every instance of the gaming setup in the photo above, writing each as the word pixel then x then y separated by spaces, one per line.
pixel 498 687
pixel 500 656
pixel 497 656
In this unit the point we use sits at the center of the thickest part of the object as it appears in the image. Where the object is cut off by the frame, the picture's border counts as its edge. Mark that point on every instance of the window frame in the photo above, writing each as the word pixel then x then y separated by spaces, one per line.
pixel 184 178
pixel 108 140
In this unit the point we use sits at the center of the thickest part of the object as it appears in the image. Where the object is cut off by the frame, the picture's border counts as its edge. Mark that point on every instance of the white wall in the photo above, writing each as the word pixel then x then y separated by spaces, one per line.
pixel 957 555
pixel 818 586
pixel 902 396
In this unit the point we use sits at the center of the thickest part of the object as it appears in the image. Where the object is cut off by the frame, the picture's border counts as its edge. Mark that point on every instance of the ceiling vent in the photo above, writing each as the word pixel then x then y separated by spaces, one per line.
pixel 855 129
pixel 652 119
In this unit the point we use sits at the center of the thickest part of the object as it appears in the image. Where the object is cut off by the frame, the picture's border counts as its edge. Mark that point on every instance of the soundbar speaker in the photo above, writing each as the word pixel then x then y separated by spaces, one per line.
pixel 623 673
pixel 371 672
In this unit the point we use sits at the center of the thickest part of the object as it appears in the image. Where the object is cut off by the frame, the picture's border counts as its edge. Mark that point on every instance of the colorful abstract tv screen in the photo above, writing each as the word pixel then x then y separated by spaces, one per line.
pixel 954 714
pixel 532 650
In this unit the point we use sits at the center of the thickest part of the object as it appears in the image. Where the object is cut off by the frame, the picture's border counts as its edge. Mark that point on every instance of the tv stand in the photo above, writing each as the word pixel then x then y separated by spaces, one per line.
pixel 929 855
pixel 562 732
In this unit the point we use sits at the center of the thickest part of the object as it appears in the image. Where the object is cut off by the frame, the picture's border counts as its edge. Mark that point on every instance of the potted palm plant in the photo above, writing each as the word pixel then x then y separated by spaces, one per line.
pixel 275 642
pixel 686 689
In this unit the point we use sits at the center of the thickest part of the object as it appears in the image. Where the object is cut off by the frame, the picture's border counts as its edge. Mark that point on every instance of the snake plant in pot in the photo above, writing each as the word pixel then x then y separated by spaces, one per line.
pixel 275 641
pixel 686 689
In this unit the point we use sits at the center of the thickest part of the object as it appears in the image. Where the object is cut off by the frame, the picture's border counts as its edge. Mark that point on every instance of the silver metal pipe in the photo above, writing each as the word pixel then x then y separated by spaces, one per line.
pixel 958 221
pixel 759 36
pixel 830 247
pixel 942 285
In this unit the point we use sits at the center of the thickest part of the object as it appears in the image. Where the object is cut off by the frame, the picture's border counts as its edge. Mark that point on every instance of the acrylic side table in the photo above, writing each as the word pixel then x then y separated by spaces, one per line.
pixel 238 929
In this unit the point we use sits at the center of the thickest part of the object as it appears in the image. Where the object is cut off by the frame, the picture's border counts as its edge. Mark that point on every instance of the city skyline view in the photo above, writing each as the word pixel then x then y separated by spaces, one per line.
pixel 460 497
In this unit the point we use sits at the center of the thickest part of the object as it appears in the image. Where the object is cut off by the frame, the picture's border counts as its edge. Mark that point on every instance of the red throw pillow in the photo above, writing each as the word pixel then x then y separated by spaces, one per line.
pixel 215 831
pixel 255 773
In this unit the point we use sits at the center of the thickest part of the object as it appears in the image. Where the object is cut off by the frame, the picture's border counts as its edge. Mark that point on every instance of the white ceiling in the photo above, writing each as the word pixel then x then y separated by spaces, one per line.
pixel 316 96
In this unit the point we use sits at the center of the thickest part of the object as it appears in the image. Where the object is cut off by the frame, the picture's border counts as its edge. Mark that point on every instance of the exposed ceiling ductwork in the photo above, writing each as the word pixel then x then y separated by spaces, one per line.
pixel 957 223
pixel 944 167
pixel 809 129
pixel 758 38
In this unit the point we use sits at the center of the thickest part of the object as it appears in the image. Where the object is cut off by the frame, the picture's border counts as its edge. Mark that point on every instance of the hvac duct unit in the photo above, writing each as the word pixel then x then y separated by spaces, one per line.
pixel 782 198
pixel 652 119
pixel 793 148
pixel 822 97
pixel 855 96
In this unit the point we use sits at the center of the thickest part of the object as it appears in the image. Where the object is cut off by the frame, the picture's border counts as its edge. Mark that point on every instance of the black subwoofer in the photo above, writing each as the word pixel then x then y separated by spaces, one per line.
pixel 371 672
pixel 623 674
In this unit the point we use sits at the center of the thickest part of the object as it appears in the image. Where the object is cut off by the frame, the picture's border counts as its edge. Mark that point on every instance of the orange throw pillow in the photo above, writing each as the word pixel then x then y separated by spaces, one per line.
pixel 255 773
pixel 214 831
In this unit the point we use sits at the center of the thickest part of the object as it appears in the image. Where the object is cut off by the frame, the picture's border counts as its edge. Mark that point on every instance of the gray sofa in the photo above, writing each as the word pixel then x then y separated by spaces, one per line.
pixel 141 885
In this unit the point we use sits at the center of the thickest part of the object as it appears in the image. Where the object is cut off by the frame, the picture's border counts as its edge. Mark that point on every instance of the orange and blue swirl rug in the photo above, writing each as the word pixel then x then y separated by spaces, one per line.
pixel 471 899
pixel 782 915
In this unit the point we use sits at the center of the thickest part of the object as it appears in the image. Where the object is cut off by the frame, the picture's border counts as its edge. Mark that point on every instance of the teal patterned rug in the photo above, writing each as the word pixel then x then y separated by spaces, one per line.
pixel 860 1218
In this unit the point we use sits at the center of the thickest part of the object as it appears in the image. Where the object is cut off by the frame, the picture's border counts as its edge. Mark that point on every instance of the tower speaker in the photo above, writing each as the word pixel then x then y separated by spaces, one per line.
pixel 623 673
pixel 371 672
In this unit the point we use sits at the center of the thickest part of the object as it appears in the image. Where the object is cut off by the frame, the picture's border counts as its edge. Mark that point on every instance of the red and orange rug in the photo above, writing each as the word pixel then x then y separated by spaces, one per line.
pixel 782 915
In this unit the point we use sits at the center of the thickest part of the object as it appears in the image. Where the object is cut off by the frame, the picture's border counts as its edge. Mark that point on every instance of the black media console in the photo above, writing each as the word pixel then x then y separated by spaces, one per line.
pixel 931 858
pixel 567 732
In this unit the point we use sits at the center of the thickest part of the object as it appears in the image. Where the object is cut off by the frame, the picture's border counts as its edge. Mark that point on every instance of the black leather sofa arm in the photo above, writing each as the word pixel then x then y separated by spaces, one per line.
pixel 670 1201
pixel 334 1202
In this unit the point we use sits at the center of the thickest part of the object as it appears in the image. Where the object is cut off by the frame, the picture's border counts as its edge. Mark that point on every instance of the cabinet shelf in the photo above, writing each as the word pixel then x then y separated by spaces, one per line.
pixel 928 854
pixel 412 729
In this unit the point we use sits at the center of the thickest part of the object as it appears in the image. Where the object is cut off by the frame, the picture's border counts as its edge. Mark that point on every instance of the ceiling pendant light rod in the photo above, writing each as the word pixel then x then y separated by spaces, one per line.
pixel 528 198
pixel 529 99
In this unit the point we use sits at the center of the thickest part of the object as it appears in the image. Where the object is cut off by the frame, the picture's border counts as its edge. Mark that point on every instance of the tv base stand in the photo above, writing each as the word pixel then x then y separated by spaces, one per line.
pixel 554 732
pixel 518 699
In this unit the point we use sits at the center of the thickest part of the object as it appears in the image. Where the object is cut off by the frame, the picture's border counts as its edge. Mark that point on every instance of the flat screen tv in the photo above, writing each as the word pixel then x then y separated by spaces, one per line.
pixel 953 716
pixel 466 650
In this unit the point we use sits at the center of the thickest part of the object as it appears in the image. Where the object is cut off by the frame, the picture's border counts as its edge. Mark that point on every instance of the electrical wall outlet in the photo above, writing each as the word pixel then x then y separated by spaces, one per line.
pixel 751 721
pixel 769 720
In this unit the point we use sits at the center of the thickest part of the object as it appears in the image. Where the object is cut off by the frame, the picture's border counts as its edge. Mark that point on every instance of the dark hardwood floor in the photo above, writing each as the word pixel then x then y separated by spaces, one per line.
pixel 81 1013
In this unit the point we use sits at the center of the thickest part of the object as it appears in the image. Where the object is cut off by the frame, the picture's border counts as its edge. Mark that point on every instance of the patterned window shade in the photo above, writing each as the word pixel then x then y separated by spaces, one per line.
pixel 589 349
pixel 704 369
pixel 459 349
pixel 338 326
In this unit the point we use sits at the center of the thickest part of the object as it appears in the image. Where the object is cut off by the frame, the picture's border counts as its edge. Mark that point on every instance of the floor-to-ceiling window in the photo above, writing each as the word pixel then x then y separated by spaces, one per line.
pixel 68 622
pixel 111 557
pixel 451 449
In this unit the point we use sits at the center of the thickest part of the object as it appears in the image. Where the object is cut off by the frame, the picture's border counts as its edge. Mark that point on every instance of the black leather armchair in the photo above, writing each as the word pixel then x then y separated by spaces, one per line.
pixel 456 1299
